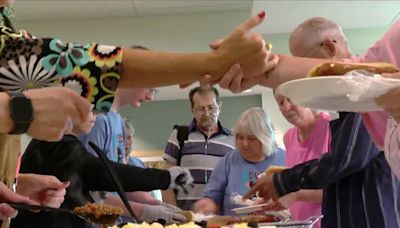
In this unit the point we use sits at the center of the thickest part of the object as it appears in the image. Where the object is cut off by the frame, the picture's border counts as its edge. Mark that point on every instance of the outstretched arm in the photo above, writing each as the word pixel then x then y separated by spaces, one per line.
pixel 351 150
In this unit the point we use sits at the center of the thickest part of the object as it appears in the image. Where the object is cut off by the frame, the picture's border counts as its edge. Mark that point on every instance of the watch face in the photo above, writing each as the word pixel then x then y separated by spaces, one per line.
pixel 21 109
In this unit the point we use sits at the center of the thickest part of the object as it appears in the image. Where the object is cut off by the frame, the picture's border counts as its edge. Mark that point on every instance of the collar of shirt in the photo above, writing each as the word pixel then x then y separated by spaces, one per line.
pixel 221 129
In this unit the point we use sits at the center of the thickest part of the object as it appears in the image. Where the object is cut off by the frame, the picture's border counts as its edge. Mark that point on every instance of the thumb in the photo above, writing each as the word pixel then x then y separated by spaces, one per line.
pixel 54 183
pixel 66 184
pixel 84 108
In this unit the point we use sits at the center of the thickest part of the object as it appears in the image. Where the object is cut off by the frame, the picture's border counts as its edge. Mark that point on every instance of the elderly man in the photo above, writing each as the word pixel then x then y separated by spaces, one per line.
pixel 206 142
pixel 359 188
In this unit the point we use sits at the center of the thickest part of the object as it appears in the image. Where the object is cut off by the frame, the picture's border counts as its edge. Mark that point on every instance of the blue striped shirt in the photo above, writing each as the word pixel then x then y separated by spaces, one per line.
pixel 200 154
pixel 359 188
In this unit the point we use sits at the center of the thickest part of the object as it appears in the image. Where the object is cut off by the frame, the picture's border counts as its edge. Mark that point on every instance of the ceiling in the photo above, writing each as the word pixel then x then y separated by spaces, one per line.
pixel 283 16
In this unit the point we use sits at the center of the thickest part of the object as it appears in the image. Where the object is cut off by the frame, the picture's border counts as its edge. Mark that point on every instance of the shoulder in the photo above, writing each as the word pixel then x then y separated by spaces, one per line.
pixel 290 133
pixel 280 154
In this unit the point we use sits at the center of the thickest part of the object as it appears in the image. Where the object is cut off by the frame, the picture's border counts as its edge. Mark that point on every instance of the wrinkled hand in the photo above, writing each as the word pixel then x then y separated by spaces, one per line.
pixel 151 213
pixel 282 203
pixel 390 101
pixel 243 47
pixel 6 195
pixel 265 188
pixel 205 206
pixel 42 189
pixel 55 111
pixel 170 206
pixel 234 79
pixel 180 178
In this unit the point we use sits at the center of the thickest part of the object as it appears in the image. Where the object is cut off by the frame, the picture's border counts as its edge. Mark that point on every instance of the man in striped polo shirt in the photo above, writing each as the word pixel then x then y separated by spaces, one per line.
pixel 207 142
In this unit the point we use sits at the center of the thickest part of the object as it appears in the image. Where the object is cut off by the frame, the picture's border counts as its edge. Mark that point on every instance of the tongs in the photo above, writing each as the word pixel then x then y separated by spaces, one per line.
pixel 115 179
pixel 30 207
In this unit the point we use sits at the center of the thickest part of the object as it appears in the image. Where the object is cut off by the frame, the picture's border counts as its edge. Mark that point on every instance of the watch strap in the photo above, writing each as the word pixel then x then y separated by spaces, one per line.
pixel 21 112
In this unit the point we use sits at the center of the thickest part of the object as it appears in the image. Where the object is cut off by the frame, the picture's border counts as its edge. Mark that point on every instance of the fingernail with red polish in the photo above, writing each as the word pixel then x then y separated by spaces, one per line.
pixel 261 14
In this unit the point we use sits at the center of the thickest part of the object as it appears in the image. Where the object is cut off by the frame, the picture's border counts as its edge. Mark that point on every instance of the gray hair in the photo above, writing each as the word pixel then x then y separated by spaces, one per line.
pixel 255 121
pixel 318 29
pixel 129 126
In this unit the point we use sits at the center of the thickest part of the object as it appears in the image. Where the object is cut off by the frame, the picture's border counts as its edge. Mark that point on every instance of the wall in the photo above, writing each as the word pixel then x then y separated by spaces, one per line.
pixel 173 32
pixel 153 121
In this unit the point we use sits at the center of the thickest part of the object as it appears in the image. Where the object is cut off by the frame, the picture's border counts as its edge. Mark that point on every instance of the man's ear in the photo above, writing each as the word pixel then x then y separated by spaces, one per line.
pixel 330 47
pixel 191 109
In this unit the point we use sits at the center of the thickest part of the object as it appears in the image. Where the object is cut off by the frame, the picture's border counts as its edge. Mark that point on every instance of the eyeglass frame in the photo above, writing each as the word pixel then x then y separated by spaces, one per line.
pixel 153 91
pixel 317 48
pixel 209 108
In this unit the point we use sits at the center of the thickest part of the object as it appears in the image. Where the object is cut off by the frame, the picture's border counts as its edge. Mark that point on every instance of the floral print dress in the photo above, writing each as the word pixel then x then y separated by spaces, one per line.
pixel 28 62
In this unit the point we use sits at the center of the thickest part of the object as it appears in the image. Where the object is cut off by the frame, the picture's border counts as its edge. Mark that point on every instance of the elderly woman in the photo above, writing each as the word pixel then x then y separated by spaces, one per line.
pixel 257 150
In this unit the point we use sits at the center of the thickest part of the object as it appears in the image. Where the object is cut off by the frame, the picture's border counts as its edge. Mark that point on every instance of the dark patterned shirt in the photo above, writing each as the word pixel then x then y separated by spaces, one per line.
pixel 359 188
pixel 28 62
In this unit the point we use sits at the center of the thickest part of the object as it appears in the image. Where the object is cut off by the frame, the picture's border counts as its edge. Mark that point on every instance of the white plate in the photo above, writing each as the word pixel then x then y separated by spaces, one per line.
pixel 249 209
pixel 333 93
pixel 281 215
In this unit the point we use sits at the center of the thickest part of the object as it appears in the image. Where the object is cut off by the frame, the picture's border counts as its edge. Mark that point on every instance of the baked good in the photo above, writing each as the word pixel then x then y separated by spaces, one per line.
pixel 99 213
pixel 274 169
pixel 342 68
pixel 188 214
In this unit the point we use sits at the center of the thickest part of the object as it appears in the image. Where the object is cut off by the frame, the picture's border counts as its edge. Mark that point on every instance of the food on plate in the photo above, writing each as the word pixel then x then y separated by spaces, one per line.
pixel 99 213
pixel 342 68
pixel 275 169
pixel 157 225
pixel 252 219
pixel 188 214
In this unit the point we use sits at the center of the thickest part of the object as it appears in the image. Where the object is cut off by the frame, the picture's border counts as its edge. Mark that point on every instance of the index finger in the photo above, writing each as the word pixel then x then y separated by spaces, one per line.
pixel 253 190
pixel 252 22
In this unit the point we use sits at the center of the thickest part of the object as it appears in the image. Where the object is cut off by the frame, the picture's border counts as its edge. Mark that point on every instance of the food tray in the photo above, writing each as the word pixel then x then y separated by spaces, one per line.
pixel 308 223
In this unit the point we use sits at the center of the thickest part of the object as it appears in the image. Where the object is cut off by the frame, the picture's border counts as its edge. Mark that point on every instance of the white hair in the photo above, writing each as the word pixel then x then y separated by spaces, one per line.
pixel 129 126
pixel 255 121
pixel 316 30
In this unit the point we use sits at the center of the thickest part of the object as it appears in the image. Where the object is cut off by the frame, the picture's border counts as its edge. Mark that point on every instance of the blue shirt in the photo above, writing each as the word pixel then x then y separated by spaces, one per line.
pixel 109 134
pixel 233 174
pixel 359 189
pixel 135 162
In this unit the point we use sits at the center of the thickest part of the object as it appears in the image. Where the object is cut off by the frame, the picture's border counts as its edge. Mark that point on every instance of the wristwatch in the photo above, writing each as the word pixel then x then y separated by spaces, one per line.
pixel 21 112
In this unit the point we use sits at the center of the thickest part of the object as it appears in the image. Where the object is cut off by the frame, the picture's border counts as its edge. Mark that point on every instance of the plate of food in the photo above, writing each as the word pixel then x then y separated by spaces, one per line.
pixel 341 87
pixel 230 220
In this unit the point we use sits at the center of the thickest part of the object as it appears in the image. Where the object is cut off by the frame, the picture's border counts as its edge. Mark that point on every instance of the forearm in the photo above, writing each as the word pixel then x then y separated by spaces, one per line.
pixel 352 149
pixel 169 196
pixel 152 69
pixel 6 123
pixel 290 68
pixel 142 197
pixel 116 201
pixel 309 195
pixel 132 178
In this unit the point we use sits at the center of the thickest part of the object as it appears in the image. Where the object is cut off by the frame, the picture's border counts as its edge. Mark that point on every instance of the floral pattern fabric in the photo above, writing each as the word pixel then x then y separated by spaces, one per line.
pixel 28 62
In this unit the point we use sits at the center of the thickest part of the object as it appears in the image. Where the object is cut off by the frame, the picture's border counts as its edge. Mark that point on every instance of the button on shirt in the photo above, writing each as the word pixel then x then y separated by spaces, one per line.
pixel 359 187
pixel 200 154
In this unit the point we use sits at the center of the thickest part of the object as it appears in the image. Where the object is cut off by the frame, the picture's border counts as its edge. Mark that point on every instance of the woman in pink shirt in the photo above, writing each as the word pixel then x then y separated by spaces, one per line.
pixel 308 139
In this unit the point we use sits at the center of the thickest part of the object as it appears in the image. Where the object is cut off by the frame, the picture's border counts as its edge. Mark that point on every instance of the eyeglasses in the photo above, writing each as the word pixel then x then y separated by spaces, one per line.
pixel 201 110
pixel 153 91
pixel 317 48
